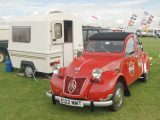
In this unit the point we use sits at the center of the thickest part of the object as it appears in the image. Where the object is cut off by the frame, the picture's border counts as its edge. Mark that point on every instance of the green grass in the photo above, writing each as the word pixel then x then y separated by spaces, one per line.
pixel 22 98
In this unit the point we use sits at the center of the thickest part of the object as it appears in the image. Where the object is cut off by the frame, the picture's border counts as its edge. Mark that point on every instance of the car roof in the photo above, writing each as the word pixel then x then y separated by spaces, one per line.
pixel 94 28
pixel 110 36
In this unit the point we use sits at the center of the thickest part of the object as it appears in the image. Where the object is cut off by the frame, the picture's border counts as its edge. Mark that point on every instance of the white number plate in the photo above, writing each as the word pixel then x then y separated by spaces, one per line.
pixel 70 102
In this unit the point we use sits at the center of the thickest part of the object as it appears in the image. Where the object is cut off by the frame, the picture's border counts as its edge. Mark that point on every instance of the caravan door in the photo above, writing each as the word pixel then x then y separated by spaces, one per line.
pixel 68 43
pixel 62 39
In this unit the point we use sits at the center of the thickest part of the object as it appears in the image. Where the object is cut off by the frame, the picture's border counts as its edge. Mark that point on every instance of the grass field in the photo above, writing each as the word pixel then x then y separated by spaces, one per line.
pixel 22 98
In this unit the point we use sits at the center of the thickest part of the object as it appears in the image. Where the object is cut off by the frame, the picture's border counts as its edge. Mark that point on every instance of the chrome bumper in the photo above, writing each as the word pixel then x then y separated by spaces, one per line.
pixel 85 103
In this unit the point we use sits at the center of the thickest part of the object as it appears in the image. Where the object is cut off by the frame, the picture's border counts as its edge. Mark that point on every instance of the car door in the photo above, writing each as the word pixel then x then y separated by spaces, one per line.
pixel 129 61
pixel 139 54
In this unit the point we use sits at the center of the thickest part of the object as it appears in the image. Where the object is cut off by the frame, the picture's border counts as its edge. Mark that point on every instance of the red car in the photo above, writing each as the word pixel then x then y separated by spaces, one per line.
pixel 100 77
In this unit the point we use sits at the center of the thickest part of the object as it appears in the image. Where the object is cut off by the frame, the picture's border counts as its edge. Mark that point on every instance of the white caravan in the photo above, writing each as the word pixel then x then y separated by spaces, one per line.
pixel 4 37
pixel 39 42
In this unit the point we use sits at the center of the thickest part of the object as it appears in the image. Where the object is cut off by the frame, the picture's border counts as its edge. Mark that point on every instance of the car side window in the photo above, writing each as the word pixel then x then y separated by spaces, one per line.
pixel 130 47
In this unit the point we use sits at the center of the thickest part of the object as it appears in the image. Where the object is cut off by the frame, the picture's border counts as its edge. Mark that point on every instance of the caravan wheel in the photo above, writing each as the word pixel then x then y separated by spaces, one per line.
pixel 2 56
pixel 28 71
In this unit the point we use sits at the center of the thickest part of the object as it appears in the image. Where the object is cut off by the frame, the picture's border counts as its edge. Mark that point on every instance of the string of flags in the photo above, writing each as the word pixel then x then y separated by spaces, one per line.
pixel 147 19
pixel 150 19
pixel 94 17
pixel 132 20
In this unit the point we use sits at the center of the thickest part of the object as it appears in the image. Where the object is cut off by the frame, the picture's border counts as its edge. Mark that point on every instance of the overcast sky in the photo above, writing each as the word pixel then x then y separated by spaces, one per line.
pixel 109 12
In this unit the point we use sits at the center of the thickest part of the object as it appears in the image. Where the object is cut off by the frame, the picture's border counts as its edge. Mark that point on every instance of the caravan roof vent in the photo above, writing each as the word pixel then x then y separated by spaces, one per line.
pixel 55 12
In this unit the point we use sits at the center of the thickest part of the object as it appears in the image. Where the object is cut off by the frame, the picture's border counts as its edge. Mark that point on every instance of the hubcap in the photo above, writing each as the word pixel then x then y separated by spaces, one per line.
pixel 119 96
pixel 28 71
pixel 1 57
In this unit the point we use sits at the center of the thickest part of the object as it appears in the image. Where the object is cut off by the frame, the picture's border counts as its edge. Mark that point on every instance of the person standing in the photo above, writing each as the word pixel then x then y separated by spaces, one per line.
pixel 155 34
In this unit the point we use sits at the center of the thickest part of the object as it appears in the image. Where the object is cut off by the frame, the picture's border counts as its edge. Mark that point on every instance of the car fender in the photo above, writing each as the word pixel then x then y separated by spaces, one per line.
pixel 106 86
pixel 146 63
pixel 118 77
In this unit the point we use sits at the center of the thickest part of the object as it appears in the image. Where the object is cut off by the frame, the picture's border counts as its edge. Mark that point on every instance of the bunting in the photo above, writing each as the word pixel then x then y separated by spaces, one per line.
pixel 147 19
pixel 144 21
pixel 150 19
pixel 94 17
pixel 132 20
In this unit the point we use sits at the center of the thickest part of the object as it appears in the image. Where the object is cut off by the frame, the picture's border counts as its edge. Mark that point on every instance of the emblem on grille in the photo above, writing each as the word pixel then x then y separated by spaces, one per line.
pixel 72 86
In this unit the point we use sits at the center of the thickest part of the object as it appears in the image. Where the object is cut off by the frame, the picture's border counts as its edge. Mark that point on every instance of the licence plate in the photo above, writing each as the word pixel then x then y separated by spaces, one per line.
pixel 70 102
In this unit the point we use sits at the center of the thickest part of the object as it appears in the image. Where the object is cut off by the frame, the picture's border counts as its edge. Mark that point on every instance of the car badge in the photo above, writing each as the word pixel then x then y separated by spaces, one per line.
pixel 72 86
pixel 77 69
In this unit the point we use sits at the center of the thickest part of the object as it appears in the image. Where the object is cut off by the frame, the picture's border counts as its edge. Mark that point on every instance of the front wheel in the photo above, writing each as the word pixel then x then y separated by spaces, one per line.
pixel 118 97
pixel 145 77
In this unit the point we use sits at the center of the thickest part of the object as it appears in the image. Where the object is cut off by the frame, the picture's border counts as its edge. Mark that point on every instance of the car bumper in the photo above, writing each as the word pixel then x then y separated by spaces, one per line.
pixel 83 102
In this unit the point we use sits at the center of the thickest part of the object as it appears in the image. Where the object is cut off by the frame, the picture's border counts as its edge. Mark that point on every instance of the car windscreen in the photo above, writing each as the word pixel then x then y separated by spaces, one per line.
pixel 108 46
pixel 92 32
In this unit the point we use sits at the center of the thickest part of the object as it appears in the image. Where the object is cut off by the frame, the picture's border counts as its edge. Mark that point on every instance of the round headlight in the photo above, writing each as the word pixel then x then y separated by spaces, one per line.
pixel 96 73
pixel 56 69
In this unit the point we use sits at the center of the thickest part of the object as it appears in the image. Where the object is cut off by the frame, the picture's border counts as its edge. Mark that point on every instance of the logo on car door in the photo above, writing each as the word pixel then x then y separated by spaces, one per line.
pixel 131 68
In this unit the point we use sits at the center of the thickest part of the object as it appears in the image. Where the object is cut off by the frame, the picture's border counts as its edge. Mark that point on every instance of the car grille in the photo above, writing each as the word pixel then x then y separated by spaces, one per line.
pixel 76 88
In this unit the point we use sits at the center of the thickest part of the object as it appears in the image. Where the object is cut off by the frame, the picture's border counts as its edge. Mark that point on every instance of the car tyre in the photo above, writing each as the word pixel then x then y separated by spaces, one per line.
pixel 2 56
pixel 118 97
pixel 29 71
pixel 145 77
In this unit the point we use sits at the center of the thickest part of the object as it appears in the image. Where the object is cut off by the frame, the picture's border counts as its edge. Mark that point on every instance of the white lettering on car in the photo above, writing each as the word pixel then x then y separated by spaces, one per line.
pixel 131 68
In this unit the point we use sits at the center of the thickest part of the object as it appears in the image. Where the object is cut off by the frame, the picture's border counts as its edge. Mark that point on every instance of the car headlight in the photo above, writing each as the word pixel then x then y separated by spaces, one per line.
pixel 56 69
pixel 96 73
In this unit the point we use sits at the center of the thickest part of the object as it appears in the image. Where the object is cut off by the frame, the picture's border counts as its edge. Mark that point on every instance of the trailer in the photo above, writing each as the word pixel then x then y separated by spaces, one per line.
pixel 39 42
pixel 5 31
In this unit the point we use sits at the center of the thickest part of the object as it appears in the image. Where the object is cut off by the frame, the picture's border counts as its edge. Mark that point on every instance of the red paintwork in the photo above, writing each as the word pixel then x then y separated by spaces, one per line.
pixel 113 66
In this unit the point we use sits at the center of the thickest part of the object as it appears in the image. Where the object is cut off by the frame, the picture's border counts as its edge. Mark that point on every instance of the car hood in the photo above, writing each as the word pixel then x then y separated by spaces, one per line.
pixel 84 65
pixel 80 72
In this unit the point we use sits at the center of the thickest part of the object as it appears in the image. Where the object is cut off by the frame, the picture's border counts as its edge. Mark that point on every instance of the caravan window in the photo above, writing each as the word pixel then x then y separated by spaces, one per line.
pixel 21 34
pixel 58 30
